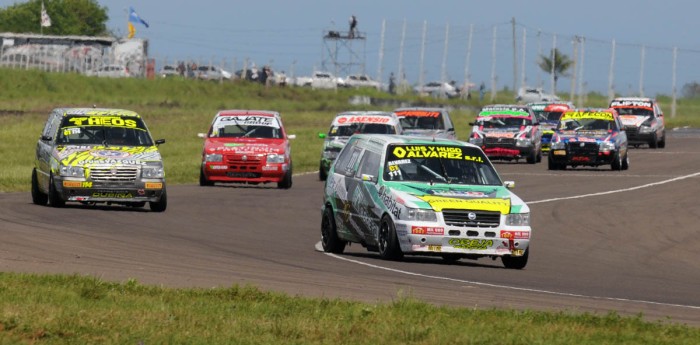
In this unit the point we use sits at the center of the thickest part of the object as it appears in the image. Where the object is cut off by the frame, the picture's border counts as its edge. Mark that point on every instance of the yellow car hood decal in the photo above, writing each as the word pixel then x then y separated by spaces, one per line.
pixel 439 203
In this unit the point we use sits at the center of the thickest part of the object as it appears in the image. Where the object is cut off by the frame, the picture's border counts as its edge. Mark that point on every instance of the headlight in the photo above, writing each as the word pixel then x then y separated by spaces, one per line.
pixel 330 154
pixel 476 141
pixel 645 129
pixel 152 172
pixel 73 171
pixel 523 142
pixel 518 219
pixel 558 145
pixel 213 157
pixel 275 158
pixel 421 215
pixel 607 146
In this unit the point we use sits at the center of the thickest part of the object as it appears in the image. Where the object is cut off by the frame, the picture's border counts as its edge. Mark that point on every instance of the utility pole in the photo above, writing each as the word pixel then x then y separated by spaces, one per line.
pixel 522 67
pixel 641 72
pixel 611 92
pixel 403 39
pixel 673 97
pixel 539 56
pixel 580 72
pixel 421 72
pixel 572 90
pixel 515 60
pixel 381 54
pixel 467 76
pixel 443 72
pixel 493 65
pixel 554 63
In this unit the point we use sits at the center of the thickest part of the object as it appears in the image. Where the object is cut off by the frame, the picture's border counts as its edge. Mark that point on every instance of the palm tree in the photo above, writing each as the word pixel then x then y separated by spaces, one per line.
pixel 562 63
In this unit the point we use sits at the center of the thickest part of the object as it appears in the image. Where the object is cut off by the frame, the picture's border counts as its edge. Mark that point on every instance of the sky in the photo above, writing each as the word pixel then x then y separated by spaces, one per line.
pixel 288 35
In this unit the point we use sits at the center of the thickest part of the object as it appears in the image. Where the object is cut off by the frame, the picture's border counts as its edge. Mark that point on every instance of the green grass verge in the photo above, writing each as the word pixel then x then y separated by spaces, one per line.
pixel 178 109
pixel 53 309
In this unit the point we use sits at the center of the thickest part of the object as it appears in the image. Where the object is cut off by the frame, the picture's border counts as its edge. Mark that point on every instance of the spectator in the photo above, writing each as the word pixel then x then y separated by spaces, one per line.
pixel 392 83
pixel 353 26
pixel 482 91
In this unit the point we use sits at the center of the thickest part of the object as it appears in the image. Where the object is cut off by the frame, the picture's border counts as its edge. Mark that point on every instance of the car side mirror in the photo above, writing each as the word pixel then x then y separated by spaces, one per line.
pixel 472 123
pixel 46 138
pixel 201 135
pixel 322 135
pixel 369 178
pixel 291 136
pixel 509 184
pixel 160 141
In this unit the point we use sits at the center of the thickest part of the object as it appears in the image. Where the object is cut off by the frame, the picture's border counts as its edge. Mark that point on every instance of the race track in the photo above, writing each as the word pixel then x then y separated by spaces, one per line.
pixel 602 241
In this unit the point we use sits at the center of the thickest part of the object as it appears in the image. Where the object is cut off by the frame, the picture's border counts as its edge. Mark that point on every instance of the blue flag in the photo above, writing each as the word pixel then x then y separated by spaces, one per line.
pixel 134 17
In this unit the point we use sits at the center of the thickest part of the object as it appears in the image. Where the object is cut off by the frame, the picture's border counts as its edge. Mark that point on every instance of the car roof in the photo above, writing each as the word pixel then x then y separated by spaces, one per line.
pixel 243 112
pixel 96 112
pixel 366 112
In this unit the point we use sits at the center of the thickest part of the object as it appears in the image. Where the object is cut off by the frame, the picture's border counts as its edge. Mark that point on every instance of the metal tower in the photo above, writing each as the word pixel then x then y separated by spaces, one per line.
pixel 344 52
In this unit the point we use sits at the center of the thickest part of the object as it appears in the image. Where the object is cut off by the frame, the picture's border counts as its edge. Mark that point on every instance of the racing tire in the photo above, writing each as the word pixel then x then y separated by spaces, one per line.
pixel 322 174
pixel 286 182
pixel 160 205
pixel 532 157
pixel 662 142
pixel 450 258
pixel 539 156
pixel 551 165
pixel 38 197
pixel 329 234
pixel 653 143
pixel 617 162
pixel 203 180
pixel 626 162
pixel 387 240
pixel 55 199
pixel 516 262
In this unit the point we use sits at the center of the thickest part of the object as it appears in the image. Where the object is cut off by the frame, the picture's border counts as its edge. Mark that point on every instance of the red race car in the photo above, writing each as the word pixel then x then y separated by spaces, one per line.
pixel 246 146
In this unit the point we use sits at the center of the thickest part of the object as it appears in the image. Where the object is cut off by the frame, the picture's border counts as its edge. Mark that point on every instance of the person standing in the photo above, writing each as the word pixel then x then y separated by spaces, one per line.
pixel 392 83
pixel 353 26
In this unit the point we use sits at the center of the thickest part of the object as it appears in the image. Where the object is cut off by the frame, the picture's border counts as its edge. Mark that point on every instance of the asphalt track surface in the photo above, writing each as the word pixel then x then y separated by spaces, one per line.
pixel 603 241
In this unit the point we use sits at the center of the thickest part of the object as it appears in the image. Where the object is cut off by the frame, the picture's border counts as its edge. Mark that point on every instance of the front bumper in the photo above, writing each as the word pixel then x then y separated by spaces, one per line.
pixel 588 158
pixel 635 136
pixel 429 238
pixel 245 173
pixel 507 153
pixel 82 190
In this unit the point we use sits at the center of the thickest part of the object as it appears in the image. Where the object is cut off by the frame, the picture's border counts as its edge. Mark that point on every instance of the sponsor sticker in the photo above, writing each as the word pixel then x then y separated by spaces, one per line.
pixel 154 185
pixel 77 184
pixel 427 230
pixel 482 204
pixel 515 235
pixel 467 243
pixel 598 115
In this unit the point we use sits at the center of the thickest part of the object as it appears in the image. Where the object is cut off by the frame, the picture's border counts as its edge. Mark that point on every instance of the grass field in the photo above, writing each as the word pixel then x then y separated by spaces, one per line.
pixel 85 310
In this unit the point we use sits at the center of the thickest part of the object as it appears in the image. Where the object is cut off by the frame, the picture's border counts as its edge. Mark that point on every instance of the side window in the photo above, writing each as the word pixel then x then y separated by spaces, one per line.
pixel 369 164
pixel 348 157
pixel 51 125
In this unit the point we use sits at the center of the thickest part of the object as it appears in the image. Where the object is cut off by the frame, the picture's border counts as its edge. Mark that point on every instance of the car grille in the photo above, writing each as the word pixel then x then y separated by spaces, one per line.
pixel 483 219
pixel 631 130
pixel 117 174
pixel 499 142
pixel 587 149
pixel 244 160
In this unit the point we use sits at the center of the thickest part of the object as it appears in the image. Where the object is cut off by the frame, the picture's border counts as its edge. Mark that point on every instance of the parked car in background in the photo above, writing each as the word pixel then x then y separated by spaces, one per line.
pixel 207 72
pixel 324 80
pixel 89 156
pixel 110 71
pixel 399 195
pixel 589 137
pixel 168 71
pixel 360 80
pixel 346 124
pixel 508 132
pixel 642 119
pixel 246 146
pixel 530 95
pixel 430 122
pixel 437 89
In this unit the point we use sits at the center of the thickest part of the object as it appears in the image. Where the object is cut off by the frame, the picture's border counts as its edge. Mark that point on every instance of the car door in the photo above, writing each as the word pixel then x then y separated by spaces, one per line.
pixel 44 149
pixel 342 182
pixel 362 193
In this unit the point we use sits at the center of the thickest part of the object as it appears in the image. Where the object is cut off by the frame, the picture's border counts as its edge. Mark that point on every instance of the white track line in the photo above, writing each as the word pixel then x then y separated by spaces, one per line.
pixel 319 248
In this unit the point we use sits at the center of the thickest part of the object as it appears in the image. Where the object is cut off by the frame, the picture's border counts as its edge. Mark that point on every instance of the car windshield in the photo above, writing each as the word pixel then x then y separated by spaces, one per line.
pixel 103 130
pixel 551 116
pixel 356 128
pixel 439 164
pixel 421 122
pixel 503 121
pixel 246 127
pixel 635 111
pixel 586 124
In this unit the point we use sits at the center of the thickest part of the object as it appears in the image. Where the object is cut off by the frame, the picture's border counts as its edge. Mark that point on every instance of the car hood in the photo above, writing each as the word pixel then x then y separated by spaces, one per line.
pixel 633 120
pixel 336 142
pixel 245 145
pixel 588 136
pixel 510 132
pixel 441 196
pixel 71 155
